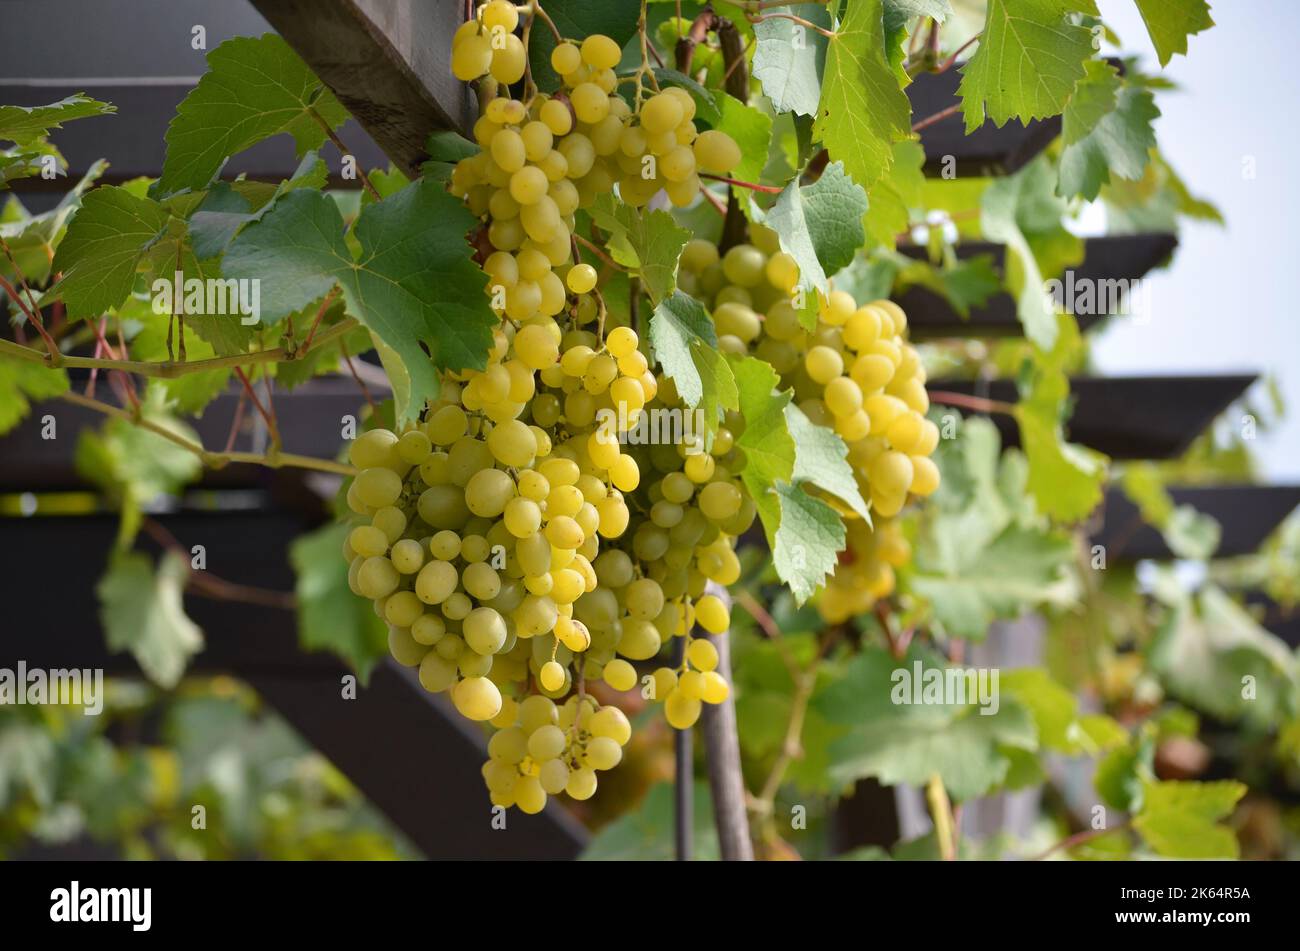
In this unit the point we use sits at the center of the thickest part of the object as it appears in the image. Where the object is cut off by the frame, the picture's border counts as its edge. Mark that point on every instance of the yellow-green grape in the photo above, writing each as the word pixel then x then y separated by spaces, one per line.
pixel 680 710
pixel 551 676
pixel 471 57
pixel 602 753
pixel 714 687
pixel 547 741
pixel 712 614
pixel 619 674
pixel 581 785
pixel 701 653
pixel 598 51
pixel 716 152
pixel 581 278
pixel 610 721
pixel 477 698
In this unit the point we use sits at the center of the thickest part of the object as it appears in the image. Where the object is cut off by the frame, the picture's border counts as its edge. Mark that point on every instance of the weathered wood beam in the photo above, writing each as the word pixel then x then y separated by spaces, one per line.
pixel 388 62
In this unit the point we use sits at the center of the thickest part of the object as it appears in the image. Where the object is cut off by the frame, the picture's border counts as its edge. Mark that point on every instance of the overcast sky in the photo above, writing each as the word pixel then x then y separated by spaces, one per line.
pixel 1228 301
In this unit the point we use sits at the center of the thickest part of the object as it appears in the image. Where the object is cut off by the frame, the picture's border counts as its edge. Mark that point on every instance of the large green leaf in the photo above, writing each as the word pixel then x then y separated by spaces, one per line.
pixel 103 247
pixel 645 834
pixel 142 611
pixel 1180 820
pixel 892 198
pixel 1027 63
pixel 330 616
pixel 1107 131
pixel 907 742
pixel 24 124
pixel 983 552
pixel 821 459
pixel 789 58
pixel 414 282
pixel 21 382
pixel 254 88
pixel 1213 654
pixel 1171 22
pixel 863 111
pixel 685 344
pixel 820 225
pixel 650 242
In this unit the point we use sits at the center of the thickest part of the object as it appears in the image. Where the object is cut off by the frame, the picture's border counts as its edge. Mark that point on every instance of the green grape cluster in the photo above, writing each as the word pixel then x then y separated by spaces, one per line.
pixel 854 372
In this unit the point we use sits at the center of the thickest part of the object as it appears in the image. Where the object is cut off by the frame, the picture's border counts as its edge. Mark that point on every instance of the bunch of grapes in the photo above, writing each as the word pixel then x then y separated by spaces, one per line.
pixel 537 530
pixel 853 372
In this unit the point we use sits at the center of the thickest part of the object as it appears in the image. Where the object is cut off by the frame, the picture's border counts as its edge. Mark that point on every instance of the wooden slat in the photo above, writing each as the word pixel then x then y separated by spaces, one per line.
pixel 1137 417
pixel 1248 514
pixel 1112 257
pixel 988 150
pixel 386 61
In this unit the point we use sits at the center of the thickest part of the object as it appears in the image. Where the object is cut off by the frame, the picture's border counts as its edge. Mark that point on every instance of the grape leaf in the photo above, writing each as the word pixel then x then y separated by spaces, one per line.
pixel 24 124
pixel 685 344
pixel 1065 479
pixel 820 225
pixel 910 742
pixel 102 248
pixel 1118 143
pixel 1187 532
pixel 982 552
pixel 808 540
pixel 20 382
pixel 1209 646
pixel 862 110
pixel 1056 714
pixel 821 458
pixel 142 611
pixel 576 20
pixel 646 832
pixel 212 227
pixel 330 616
pixel 891 198
pixel 751 128
pixel 789 58
pixel 766 442
pixel 189 392
pixel 648 241
pixel 1001 206
pixel 899 15
pixel 804 533
pixel 1181 819
pixel 134 465
pixel 1028 61
pixel 1171 22
pixel 414 282
pixel 965 283
pixel 254 88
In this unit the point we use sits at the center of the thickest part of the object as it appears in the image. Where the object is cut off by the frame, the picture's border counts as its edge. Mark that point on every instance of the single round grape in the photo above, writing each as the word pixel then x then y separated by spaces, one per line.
pixel 471 58
pixel 720 500
pixel 619 674
pixel 548 741
pixel 551 676
pixel 581 785
pixel 436 672
pixel 435 582
pixel 581 278
pixel 477 698
pixel 712 614
pixel 405 649
pixel 610 721
pixel 702 654
pixel 714 689
pixel 716 152
pixel 484 630
pixel 590 103
pixel 600 52
pixel 529 795
pixel 378 487
pixel 428 629
pixel 681 711
pixel 377 578
pixel 890 473
pixel 510 61
pixel 602 753
pixel 553 776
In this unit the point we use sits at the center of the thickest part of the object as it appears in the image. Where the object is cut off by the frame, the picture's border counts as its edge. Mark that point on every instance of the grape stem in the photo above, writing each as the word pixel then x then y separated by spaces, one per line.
pixel 807 24
pixel 343 150
pixel 596 250
pixel 937 117
pixel 1078 838
pixel 29 311
pixel 171 369
pixel 214 460
pixel 753 186
pixel 977 403
pixel 945 831
pixel 546 18
pixel 209 585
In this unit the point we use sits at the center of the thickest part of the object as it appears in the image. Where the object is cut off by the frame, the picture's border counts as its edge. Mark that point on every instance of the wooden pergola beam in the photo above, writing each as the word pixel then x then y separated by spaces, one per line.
pixel 386 62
